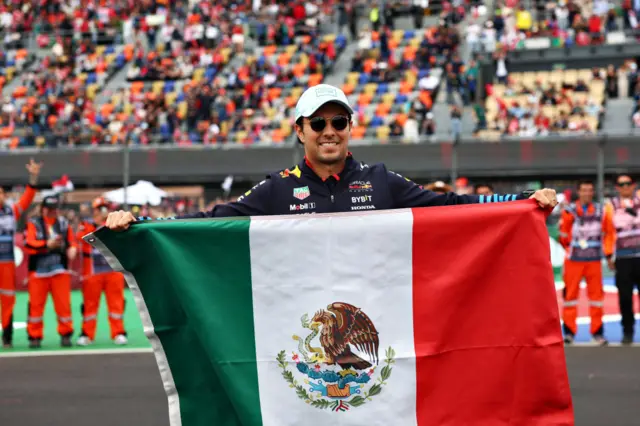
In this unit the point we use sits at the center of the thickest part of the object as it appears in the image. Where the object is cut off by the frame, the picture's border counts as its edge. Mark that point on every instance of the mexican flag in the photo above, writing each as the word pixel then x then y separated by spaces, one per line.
pixel 426 316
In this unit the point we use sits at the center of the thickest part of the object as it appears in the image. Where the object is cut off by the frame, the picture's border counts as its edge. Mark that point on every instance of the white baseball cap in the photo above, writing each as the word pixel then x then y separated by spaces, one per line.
pixel 316 96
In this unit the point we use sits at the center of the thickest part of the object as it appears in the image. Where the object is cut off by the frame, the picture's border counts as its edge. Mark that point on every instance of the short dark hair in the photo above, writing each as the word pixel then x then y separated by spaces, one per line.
pixel 585 182
pixel 299 123
pixel 482 185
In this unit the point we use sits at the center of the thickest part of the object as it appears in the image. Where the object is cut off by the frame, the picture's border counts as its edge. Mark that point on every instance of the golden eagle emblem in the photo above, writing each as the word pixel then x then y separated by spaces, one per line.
pixel 339 374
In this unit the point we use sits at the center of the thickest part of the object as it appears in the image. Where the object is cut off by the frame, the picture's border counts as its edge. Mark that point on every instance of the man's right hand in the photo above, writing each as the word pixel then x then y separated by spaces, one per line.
pixel 119 221
pixel 54 243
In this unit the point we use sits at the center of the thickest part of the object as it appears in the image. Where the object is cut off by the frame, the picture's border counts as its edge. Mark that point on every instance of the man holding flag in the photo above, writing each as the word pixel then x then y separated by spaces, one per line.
pixel 329 179
pixel 349 319
pixel 9 216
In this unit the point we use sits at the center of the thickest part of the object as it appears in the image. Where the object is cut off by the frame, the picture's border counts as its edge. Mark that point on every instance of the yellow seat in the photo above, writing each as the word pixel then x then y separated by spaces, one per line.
pixel 226 54
pixel 83 77
pixel 291 50
pixel 170 98
pixel 182 110
pixel 370 88
pixel 415 42
pixel 110 58
pixel 100 50
pixel 329 37
pixel 158 87
pixel 398 35
pixel 286 127
pixel 127 109
pixel 10 72
pixel 383 132
pixel 388 98
pixel 92 89
pixel 240 136
pixel 296 92
pixel 353 77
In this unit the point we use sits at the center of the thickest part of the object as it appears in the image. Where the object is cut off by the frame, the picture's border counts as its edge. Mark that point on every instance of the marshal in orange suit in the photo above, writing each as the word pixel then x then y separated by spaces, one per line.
pixel 51 245
pixel 9 216
pixel 97 277
pixel 587 234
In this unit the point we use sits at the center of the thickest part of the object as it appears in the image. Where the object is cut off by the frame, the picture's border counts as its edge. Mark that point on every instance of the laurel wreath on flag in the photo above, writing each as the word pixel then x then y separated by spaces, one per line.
pixel 342 405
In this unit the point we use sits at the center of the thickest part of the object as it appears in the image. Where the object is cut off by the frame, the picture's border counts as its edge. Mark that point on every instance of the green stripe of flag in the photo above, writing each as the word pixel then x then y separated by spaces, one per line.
pixel 210 347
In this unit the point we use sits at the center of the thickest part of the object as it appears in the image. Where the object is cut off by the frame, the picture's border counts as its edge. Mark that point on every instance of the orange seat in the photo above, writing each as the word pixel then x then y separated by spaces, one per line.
pixel 383 109
pixel 14 143
pixel 315 79
pixel 348 89
pixel 6 132
pixel 284 59
pixel 358 132
pixel 364 99
pixel 277 136
pixel 270 50
pixel 274 93
pixel 401 118
pixel 128 52
pixel 406 87
pixel 290 101
pixel 21 53
pixel 137 86
pixel 20 92
pixel 299 69
pixel 106 110
pixel 368 65
pixel 393 44
pixel 375 36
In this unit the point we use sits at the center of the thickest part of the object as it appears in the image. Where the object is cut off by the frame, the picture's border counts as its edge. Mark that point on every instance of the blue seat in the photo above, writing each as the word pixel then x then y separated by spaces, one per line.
pixel 195 137
pixel 165 131
pixel 92 78
pixel 169 86
pixel 409 34
pixel 363 79
pixel 376 122
pixel 109 50
pixel 382 89
pixel 180 97
pixel 120 60
pixel 400 99
pixel 423 73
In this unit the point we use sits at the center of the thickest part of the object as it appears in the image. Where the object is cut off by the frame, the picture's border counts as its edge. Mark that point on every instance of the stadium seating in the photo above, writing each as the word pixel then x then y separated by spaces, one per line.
pixel 382 92
pixel 575 94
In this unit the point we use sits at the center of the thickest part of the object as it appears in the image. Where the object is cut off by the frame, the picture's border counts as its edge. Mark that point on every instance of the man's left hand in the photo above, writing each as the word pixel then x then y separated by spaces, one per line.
pixel 34 171
pixel 546 198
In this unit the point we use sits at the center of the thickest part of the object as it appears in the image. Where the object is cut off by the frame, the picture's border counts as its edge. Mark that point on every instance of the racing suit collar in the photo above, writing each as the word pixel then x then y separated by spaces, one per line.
pixel 308 168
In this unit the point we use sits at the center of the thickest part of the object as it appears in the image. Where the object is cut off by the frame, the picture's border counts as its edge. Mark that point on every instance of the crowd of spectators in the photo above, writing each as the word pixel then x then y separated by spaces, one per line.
pixel 220 71
pixel 563 23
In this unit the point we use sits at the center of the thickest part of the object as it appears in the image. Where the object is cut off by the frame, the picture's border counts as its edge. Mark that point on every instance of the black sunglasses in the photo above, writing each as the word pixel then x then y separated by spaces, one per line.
pixel 339 122
pixel 625 183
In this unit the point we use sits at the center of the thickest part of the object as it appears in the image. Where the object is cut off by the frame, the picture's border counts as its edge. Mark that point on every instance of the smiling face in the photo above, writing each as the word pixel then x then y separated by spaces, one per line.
pixel 326 145
pixel 625 186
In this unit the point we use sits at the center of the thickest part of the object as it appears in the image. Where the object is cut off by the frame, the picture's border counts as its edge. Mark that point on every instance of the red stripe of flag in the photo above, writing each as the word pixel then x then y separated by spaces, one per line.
pixel 487 331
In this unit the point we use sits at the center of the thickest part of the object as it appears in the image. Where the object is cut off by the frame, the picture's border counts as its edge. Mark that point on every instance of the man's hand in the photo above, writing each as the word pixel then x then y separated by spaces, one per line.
pixel 119 221
pixel 546 198
pixel 34 171
pixel 54 243
pixel 72 252
pixel 611 264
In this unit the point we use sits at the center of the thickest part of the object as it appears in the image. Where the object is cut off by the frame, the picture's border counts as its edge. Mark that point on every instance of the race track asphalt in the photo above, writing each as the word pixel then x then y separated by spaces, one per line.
pixel 125 389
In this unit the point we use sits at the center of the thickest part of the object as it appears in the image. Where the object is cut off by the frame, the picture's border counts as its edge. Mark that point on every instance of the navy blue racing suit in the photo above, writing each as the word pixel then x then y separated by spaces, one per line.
pixel 358 187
